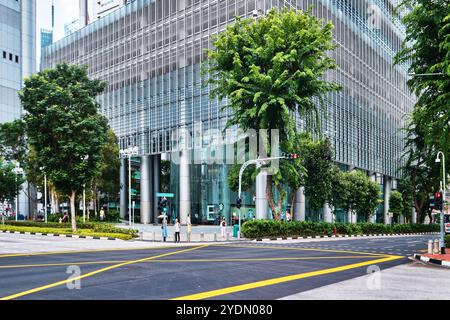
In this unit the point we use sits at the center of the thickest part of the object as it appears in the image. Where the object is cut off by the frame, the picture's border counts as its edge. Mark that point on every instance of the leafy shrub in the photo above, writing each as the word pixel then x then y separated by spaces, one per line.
pixel 95 226
pixel 447 241
pixel 267 228
pixel 112 216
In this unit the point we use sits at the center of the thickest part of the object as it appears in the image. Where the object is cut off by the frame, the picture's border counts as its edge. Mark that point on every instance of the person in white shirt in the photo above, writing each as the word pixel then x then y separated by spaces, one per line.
pixel 177 231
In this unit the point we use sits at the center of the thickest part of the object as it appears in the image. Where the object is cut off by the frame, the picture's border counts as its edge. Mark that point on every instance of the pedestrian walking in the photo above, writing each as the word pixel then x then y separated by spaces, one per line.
pixel 189 227
pixel 164 229
pixel 288 216
pixel 223 227
pixel 102 215
pixel 177 231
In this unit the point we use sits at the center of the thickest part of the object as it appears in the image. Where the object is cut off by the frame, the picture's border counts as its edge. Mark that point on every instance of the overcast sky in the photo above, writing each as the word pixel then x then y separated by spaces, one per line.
pixel 65 12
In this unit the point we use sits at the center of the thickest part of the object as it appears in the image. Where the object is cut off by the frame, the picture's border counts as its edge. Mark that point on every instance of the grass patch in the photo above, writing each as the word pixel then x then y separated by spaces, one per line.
pixel 80 232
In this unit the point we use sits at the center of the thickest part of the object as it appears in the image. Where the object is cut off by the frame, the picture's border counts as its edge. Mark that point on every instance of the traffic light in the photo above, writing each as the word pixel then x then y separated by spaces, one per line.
pixel 239 203
pixel 438 201
pixel 291 156
pixel 164 205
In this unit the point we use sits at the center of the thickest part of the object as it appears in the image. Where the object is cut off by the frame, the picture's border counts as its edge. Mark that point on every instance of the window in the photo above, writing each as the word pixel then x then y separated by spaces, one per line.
pixel 4 54
pixel 17 59
pixel 10 56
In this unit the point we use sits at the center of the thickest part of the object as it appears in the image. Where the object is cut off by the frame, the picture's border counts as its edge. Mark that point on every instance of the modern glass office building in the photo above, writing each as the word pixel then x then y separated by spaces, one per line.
pixel 17 60
pixel 150 53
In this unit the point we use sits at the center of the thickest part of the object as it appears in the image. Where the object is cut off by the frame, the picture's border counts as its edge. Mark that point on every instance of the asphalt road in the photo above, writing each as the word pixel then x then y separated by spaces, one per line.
pixel 243 271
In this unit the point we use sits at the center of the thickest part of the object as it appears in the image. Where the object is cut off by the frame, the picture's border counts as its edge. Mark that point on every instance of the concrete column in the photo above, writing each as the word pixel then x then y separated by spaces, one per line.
pixel 185 185
pixel 350 217
pixel 300 210
pixel 387 194
pixel 373 178
pixel 123 188
pixel 145 190
pixel 327 213
pixel 413 215
pixel 262 207
pixel 156 174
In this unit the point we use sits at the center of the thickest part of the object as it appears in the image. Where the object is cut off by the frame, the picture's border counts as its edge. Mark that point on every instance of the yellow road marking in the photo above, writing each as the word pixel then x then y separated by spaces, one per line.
pixel 262 259
pixel 56 284
pixel 18 266
pixel 8 255
pixel 270 282
pixel 300 249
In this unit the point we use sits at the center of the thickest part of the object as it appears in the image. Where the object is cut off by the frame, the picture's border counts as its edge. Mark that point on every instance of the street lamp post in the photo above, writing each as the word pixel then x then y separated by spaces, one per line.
pixel 259 163
pixel 45 194
pixel 128 153
pixel 438 160
pixel 17 170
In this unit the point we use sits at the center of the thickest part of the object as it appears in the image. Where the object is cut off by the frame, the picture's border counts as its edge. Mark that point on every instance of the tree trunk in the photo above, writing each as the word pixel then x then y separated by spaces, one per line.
pixel 72 211
pixel 269 196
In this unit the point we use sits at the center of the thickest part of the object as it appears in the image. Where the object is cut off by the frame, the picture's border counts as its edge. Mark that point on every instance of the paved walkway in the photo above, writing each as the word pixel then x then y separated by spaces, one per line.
pixel 443 257
pixel 413 281
pixel 199 233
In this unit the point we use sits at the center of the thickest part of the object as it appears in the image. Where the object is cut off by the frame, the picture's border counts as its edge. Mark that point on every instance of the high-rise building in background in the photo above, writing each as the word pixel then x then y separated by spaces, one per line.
pixel 71 27
pixel 17 61
pixel 46 38
pixel 104 7
pixel 17 53
pixel 150 53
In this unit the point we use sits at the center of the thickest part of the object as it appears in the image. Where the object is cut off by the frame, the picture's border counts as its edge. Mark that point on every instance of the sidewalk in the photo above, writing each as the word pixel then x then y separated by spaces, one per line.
pixel 199 233
pixel 437 259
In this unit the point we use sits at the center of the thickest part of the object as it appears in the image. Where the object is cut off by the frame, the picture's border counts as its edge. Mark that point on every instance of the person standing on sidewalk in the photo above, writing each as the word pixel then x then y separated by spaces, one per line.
pixel 177 231
pixel 189 227
pixel 223 227
pixel 164 229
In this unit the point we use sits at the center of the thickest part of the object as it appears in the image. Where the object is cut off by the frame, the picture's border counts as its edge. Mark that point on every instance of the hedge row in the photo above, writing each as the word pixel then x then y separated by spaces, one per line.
pixel 267 228
pixel 447 241
pixel 94 226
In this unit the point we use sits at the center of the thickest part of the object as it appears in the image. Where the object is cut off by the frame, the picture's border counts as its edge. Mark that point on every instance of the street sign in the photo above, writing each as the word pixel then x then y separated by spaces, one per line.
pixel 165 195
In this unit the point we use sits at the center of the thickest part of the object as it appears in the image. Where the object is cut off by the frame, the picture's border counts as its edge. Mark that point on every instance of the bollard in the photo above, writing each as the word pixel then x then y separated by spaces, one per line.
pixel 141 236
pixel 202 237
pixel 436 247
pixel 215 236
pixel 228 236
pixel 430 246
pixel 188 236
pixel 154 236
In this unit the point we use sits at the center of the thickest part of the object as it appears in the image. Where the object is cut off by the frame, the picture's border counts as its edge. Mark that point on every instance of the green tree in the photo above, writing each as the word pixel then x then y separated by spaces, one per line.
pixel 355 193
pixel 317 158
pixel 13 143
pixel 269 69
pixel 426 50
pixel 107 181
pixel 64 127
pixel 10 184
pixel 396 204
pixel 405 188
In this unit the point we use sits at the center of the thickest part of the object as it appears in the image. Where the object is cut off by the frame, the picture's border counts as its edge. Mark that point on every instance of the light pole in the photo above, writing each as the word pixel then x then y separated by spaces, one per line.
pixel 45 194
pixel 85 158
pixel 17 170
pixel 438 160
pixel 259 163
pixel 128 153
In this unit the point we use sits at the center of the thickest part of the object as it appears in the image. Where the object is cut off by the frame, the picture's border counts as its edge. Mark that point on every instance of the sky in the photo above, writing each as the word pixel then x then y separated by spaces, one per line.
pixel 65 12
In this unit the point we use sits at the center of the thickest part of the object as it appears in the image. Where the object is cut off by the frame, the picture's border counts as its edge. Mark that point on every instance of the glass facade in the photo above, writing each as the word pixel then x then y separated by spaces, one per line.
pixel 150 52
pixel 46 38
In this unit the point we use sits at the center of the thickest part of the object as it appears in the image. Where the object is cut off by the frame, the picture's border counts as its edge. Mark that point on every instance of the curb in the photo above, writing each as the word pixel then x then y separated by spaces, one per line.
pixel 343 236
pixel 58 235
pixel 428 260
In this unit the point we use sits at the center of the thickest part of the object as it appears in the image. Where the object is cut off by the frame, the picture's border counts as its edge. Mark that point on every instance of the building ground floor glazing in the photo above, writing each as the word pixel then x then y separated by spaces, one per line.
pixel 201 191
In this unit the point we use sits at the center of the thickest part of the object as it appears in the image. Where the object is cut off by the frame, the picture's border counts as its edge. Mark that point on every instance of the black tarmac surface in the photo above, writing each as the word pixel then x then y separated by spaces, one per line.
pixel 232 271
